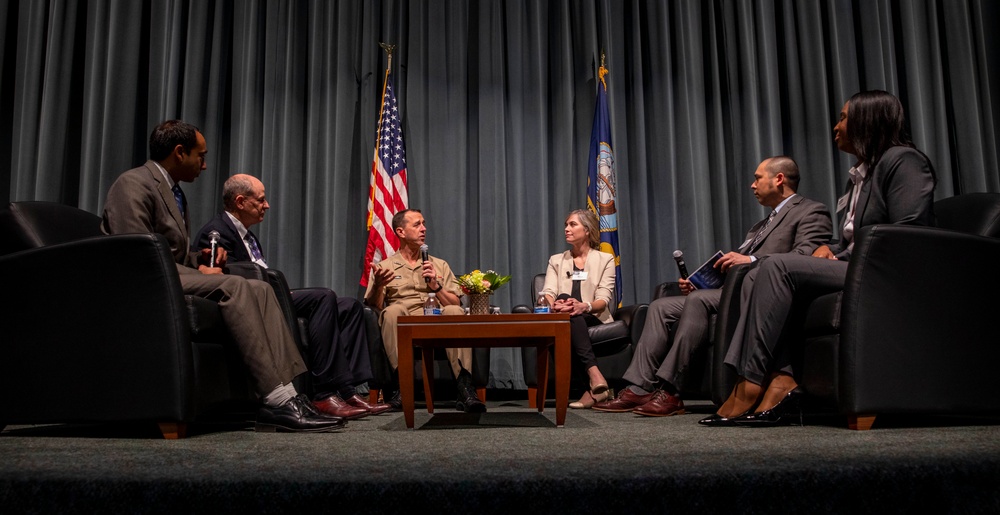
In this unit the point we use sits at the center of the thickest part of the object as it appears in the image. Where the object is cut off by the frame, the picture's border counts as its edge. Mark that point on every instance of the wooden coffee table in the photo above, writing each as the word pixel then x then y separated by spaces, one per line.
pixel 513 330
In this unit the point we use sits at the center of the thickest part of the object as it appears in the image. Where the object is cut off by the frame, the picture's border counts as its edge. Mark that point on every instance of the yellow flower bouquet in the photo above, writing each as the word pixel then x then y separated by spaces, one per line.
pixel 477 281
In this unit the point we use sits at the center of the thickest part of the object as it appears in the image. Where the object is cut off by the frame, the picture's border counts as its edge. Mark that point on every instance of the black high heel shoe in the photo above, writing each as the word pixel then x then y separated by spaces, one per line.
pixel 784 413
pixel 716 420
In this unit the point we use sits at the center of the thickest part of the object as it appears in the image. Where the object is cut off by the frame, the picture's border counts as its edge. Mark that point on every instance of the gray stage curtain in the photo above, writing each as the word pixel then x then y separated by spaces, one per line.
pixel 497 100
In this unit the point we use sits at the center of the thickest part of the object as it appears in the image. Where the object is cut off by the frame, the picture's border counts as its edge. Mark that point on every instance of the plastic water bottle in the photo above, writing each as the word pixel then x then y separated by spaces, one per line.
pixel 542 306
pixel 431 306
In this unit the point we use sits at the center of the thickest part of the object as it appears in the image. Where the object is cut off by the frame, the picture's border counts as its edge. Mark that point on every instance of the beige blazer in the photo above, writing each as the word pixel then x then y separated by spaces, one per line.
pixel 600 282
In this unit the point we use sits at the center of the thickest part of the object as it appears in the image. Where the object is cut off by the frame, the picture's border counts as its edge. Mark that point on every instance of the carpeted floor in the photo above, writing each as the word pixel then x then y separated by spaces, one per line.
pixel 511 459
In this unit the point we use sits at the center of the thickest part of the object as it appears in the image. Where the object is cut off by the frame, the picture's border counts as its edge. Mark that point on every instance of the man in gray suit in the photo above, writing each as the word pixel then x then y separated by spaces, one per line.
pixel 796 225
pixel 148 199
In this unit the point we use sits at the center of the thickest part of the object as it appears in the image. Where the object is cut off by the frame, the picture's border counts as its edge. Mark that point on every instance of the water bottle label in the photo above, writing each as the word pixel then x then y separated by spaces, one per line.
pixel 542 309
pixel 432 311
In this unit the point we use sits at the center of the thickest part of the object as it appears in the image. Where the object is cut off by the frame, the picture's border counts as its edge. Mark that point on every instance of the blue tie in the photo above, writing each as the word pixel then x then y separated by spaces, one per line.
pixel 179 197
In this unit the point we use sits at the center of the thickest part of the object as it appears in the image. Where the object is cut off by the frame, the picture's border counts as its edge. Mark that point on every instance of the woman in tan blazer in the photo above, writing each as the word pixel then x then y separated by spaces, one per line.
pixel 581 282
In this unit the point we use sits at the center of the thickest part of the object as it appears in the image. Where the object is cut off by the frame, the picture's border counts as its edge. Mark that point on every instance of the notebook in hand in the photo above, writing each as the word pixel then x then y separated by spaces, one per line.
pixel 707 277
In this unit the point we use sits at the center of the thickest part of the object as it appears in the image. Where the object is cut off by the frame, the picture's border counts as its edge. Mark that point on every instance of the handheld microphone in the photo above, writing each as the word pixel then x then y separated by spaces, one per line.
pixel 681 267
pixel 423 257
pixel 214 242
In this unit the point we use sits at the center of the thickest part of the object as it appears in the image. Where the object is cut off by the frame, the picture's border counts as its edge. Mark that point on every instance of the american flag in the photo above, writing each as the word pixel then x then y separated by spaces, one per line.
pixel 387 193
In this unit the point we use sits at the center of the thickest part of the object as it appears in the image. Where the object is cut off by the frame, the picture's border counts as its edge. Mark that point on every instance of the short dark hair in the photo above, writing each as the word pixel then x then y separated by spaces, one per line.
pixel 875 122
pixel 167 135
pixel 785 166
pixel 398 218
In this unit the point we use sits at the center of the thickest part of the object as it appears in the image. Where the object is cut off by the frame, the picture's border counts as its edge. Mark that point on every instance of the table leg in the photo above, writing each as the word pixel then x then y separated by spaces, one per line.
pixel 428 370
pixel 405 354
pixel 541 376
pixel 562 352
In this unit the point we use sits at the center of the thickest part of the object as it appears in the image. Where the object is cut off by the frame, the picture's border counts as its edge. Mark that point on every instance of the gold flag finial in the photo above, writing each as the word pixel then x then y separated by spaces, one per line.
pixel 388 51
pixel 602 71
pixel 602 59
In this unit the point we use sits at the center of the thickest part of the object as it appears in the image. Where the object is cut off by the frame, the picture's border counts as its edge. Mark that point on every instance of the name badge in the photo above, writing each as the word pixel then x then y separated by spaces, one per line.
pixel 579 275
pixel 842 202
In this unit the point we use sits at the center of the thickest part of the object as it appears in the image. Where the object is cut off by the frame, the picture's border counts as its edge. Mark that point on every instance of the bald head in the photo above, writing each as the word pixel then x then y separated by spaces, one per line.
pixel 244 197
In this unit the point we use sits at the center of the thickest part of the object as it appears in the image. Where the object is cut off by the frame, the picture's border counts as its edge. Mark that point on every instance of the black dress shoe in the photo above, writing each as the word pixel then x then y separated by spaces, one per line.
pixel 468 401
pixel 296 416
pixel 785 413
pixel 394 400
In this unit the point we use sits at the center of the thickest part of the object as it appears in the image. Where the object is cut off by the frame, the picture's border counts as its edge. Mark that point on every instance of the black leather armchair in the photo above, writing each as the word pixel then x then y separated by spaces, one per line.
pixel 913 330
pixel 98 329
pixel 613 342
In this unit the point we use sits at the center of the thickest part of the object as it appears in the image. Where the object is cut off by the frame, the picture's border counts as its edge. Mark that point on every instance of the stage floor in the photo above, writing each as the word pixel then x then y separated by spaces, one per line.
pixel 510 458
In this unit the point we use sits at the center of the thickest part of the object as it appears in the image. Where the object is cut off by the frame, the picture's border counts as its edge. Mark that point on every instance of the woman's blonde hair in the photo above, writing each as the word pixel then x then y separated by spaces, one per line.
pixel 591 223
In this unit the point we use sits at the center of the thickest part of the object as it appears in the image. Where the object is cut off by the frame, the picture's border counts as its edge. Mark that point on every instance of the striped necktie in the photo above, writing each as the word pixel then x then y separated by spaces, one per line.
pixel 760 233
pixel 254 248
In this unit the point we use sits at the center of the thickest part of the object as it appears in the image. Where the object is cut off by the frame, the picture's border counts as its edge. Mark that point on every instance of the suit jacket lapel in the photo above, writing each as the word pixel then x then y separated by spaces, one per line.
pixel 167 196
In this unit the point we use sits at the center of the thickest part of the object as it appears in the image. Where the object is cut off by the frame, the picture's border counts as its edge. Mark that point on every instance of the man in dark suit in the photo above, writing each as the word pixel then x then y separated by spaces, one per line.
pixel 338 349
pixel 148 199
pixel 795 225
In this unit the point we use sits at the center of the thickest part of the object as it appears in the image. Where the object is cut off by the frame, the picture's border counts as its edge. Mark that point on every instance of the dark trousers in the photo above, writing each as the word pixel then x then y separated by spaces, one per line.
pixel 338 347
pixel 580 338
pixel 770 295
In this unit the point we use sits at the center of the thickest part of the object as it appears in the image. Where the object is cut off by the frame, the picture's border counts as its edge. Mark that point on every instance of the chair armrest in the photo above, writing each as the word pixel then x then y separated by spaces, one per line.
pixel 667 289
pixel 917 322
pixel 103 318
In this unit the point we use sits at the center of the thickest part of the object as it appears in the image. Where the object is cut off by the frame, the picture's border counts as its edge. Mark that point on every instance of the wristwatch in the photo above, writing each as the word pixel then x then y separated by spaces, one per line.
pixel 439 288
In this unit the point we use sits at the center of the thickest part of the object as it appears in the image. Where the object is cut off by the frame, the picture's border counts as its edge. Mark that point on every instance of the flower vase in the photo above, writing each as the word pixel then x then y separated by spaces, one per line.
pixel 479 304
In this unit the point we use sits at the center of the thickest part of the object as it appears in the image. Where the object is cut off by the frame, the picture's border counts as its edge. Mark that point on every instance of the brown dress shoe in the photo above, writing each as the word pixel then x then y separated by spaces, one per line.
pixel 373 409
pixel 661 405
pixel 334 405
pixel 624 402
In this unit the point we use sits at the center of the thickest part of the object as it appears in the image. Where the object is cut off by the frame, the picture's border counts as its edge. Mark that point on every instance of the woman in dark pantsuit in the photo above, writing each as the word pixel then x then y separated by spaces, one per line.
pixel 891 182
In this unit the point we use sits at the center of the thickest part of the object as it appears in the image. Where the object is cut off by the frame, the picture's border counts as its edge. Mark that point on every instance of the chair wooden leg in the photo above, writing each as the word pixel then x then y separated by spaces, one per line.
pixel 532 397
pixel 173 430
pixel 481 393
pixel 859 422
pixel 373 395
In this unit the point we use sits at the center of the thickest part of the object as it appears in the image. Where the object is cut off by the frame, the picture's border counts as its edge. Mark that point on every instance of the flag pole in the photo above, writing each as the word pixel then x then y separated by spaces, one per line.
pixel 385 79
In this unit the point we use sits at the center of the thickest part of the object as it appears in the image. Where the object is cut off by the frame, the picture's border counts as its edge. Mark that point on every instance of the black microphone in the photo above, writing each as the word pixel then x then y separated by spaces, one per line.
pixel 423 257
pixel 563 296
pixel 569 274
pixel 214 242
pixel 681 267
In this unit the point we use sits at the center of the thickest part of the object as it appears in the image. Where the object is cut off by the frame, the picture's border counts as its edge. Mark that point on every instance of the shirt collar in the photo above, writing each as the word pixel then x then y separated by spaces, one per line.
pixel 777 208
pixel 858 173
pixel 239 225
pixel 166 176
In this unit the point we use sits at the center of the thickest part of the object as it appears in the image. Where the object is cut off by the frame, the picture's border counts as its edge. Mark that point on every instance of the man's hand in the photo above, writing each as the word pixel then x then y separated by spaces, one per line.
pixel 823 251
pixel 209 271
pixel 729 259
pixel 383 276
pixel 205 257
pixel 686 286
pixel 430 275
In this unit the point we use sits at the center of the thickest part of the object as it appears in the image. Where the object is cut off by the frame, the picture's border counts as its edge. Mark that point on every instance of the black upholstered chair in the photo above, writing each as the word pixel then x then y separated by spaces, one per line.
pixel 913 329
pixel 613 342
pixel 97 328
